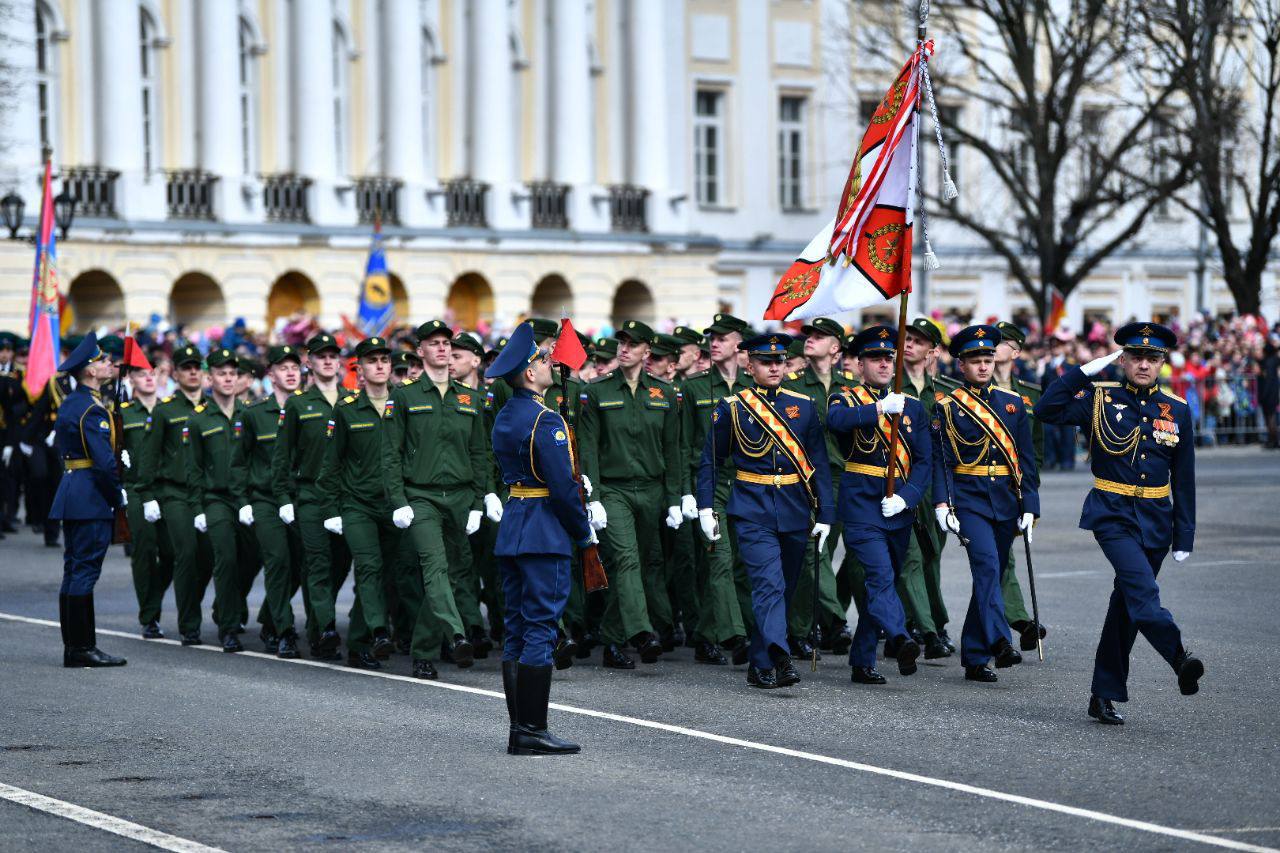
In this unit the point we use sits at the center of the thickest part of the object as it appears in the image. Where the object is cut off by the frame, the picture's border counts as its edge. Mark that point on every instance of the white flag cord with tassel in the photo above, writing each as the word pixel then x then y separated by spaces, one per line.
pixel 949 190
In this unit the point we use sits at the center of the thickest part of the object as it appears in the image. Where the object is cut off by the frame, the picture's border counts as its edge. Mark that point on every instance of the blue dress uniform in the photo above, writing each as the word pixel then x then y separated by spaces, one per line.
pixel 770 502
pixel 973 466
pixel 544 518
pixel 86 501
pixel 1143 501
pixel 880 544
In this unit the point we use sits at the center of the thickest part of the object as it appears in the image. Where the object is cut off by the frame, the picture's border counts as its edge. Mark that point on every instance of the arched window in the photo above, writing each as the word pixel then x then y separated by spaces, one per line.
pixel 340 99
pixel 150 94
pixel 46 77
pixel 248 100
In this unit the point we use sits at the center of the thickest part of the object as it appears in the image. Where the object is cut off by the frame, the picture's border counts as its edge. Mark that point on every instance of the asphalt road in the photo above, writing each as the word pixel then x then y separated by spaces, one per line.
pixel 248 752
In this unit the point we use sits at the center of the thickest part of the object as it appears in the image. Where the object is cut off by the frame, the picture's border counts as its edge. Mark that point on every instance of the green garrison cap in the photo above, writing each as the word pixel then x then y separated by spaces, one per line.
pixel 433 327
pixel 688 335
pixel 823 326
pixel 1010 332
pixel 795 349
pixel 725 323
pixel 372 346
pixel 468 342
pixel 543 328
pixel 404 359
pixel 277 354
pixel 8 340
pixel 220 357
pixel 605 349
pixel 666 345
pixel 927 328
pixel 112 345
pixel 187 354
pixel 322 342
pixel 634 330
pixel 252 365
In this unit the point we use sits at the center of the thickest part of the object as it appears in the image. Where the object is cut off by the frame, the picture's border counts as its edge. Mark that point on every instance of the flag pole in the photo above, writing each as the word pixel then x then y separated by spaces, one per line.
pixel 895 426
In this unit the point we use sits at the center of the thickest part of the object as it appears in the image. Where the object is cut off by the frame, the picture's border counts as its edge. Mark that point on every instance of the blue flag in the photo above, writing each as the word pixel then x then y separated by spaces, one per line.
pixel 376 311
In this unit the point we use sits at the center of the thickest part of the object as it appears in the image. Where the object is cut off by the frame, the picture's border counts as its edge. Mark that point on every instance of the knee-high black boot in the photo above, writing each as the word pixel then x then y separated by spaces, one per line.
pixel 509 688
pixel 533 692
pixel 68 632
pixel 85 651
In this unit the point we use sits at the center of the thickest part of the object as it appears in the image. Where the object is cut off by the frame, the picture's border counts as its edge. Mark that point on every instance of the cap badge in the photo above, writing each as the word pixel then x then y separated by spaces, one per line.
pixel 884 333
pixel 981 333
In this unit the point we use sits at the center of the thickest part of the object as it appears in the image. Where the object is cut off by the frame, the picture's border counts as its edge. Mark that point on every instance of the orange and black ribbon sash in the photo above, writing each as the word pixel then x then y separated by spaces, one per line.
pixel 884 429
pixel 992 426
pixel 781 435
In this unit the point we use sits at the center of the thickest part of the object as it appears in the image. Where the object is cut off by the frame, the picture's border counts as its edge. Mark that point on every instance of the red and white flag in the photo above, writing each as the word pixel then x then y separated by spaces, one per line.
pixel 863 255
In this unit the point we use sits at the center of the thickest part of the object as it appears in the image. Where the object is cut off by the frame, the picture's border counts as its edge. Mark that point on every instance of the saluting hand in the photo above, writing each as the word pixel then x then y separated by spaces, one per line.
pixel 1093 368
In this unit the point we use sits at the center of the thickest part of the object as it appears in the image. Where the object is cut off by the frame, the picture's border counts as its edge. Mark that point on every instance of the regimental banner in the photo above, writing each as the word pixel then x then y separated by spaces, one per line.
pixel 45 330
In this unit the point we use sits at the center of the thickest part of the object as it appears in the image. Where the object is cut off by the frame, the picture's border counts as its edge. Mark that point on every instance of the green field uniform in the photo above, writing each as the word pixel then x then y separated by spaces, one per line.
pixel 295 472
pixel 354 487
pixel 1015 610
pixel 217 482
pixel 436 460
pixel 151 560
pixel 630 446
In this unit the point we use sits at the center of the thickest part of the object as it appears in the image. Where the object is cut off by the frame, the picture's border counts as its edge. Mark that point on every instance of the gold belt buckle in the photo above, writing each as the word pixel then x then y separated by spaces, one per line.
pixel 777 480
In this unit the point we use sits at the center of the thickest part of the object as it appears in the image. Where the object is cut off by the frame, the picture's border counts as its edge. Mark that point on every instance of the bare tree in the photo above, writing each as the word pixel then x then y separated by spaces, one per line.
pixel 1227 55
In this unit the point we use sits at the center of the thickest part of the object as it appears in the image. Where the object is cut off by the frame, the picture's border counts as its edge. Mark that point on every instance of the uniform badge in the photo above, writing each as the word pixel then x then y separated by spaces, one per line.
pixel 390 409
pixel 464 399
pixel 1080 395
pixel 186 435
pixel 280 420
pixel 1026 399
pixel 655 393
pixel 237 428
pixel 1166 411
pixel 561 438
pixel 328 430
pixel 1010 408
pixel 938 396
pixel 104 425
pixel 715 416
pixel 793 412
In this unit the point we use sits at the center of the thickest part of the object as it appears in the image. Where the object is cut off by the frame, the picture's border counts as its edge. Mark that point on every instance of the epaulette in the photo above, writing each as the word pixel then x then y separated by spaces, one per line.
pixel 1099 383
pixel 847 375
pixel 1034 385
pixel 408 382
pixel 788 391
pixel 297 392
pixel 948 382
pixel 1169 393
pixel 793 375
pixel 350 398
pixel 911 396
pixel 168 399
pixel 698 375
pixel 655 377
pixel 1007 391
pixel 608 375
pixel 199 408
pixel 264 400
pixel 126 404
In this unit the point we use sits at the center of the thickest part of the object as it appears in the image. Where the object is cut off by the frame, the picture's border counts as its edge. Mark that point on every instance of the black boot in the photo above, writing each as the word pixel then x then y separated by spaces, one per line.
pixel 765 679
pixel 509 670
pixel 64 620
pixel 907 652
pixel 566 650
pixel 84 651
pixel 1005 654
pixel 1028 636
pixel 648 647
pixel 533 692
pixel 151 631
pixel 866 675
pixel 1104 712
pixel 934 648
pixel 287 648
pixel 1190 669
pixel 616 658
pixel 710 653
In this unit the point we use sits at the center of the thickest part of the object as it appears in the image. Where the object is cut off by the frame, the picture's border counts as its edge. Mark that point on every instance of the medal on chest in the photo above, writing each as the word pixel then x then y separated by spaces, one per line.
pixel 1165 432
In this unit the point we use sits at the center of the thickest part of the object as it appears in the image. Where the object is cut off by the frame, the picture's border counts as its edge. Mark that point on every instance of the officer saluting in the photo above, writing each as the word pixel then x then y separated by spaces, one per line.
pixel 1142 452
pixel 543 519
pixel 86 500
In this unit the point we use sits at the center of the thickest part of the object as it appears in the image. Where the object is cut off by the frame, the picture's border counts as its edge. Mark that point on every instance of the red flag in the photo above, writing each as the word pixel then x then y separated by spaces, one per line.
pixel 568 350
pixel 1057 310
pixel 42 360
pixel 134 357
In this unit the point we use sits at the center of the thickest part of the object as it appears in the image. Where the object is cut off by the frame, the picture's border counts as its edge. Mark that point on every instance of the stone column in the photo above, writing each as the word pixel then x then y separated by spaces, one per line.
pixel 218 139
pixel 572 113
pixel 650 55
pixel 313 123
pixel 403 143
pixel 493 138
pixel 118 101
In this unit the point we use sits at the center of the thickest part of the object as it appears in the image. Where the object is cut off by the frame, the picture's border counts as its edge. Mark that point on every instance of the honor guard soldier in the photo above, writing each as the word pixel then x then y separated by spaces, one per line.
pixel 543 521
pixel 164 486
pixel 985 488
pixel 1143 500
pixel 86 500
pixel 877 529
pixel 781 496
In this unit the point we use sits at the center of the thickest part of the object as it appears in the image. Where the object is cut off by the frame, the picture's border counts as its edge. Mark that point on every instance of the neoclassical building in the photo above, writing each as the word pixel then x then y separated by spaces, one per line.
pixel 655 159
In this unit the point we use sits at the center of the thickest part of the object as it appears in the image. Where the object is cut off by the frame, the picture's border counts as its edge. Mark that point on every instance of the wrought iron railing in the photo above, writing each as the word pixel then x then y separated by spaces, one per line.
pixel 94 189
pixel 627 208
pixel 550 204
pixel 464 203
pixel 378 198
pixel 189 194
pixel 284 197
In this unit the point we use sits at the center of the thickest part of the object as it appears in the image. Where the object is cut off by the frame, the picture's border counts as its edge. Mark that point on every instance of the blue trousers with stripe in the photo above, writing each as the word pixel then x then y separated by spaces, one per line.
pixel 984 623
pixel 773 560
pixel 881 553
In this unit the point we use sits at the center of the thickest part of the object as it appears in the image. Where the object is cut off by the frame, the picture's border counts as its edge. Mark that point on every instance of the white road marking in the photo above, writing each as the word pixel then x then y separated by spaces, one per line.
pixel 1243 829
pixel 946 784
pixel 1192 562
pixel 1069 574
pixel 106 822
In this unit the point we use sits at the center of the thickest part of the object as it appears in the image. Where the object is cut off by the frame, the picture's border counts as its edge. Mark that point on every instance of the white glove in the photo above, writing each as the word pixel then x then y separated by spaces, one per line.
pixel 1095 367
pixel 1025 524
pixel 493 507
pixel 586 485
pixel 124 498
pixel 597 516
pixel 286 513
pixel 402 517
pixel 473 521
pixel 822 531
pixel 7 454
pixel 26 449
pixel 947 521
pixel 674 517
pixel 892 404
pixel 593 540
pixel 334 525
pixel 688 507
pixel 1179 556
pixel 246 515
pixel 706 518
pixel 201 523
pixel 890 507
pixel 151 511
pixel 50 438
pixel 125 459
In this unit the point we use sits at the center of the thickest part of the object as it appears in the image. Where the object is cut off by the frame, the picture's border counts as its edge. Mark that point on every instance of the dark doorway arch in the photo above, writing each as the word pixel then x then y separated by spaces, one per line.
pixel 470 301
pixel 291 292
pixel 197 300
pixel 96 300
pixel 633 301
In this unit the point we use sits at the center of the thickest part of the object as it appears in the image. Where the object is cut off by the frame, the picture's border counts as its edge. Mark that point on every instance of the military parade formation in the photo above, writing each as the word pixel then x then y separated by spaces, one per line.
pixel 715 470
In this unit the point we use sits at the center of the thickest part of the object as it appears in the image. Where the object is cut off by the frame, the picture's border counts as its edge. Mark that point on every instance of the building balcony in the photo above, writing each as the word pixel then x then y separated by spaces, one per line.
pixel 464 203
pixel 627 208
pixel 94 189
pixel 284 198
pixel 550 205
pixel 189 194
pixel 378 200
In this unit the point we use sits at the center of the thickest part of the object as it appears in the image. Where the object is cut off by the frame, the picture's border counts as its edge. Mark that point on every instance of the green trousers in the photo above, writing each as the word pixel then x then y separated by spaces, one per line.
pixel 326 559
pixel 920 583
pixel 719 611
pixel 151 561
pixel 228 583
pixel 402 587
pixel 682 575
pixel 282 565
pixel 486 569
pixel 192 563
pixel 440 540
pixel 630 548
pixel 374 542
pixel 1015 610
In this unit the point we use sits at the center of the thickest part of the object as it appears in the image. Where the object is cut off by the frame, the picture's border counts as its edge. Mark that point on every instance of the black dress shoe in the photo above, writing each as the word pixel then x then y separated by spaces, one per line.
pixel 801 648
pixel 668 642
pixel 362 660
pixel 231 643
pixel 586 643
pixel 270 642
pixel 649 648
pixel 741 652
pixel 866 675
pixel 1005 654
pixel 90 658
pixel 480 643
pixel 980 673
pixel 946 641
pixel 192 639
pixel 382 646
pixel 287 649
pixel 765 679
pixel 325 654
pixel 907 653
pixel 151 631
pixel 564 652
pixel 1190 670
pixel 462 652
pixel 934 648
pixel 785 672
pixel 1104 712
pixel 615 658
pixel 404 645
pixel 709 653
pixel 842 641
pixel 1027 635
pixel 424 670
pixel 329 640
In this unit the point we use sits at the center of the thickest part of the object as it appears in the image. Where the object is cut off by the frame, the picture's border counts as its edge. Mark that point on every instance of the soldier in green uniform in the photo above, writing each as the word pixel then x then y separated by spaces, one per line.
pixel 355 500
pixel 1012 339
pixel 403 585
pixel 436 467
pixel 295 470
pixel 683 578
pixel 724 594
pixel 629 438
pixel 604 355
pixel 213 431
pixel 164 486
pixel 152 558
pixel 278 543
pixel 821 377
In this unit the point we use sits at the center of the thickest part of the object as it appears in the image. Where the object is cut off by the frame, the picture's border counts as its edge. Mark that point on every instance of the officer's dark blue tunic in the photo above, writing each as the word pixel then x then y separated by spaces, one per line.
pixel 1143 501
pixel 880 544
pixel 987 504
pixel 770 505
pixel 89 492
pixel 542 521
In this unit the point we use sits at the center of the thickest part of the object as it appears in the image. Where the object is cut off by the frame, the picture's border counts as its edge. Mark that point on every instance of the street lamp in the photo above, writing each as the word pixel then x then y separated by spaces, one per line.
pixel 11 207
pixel 64 210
